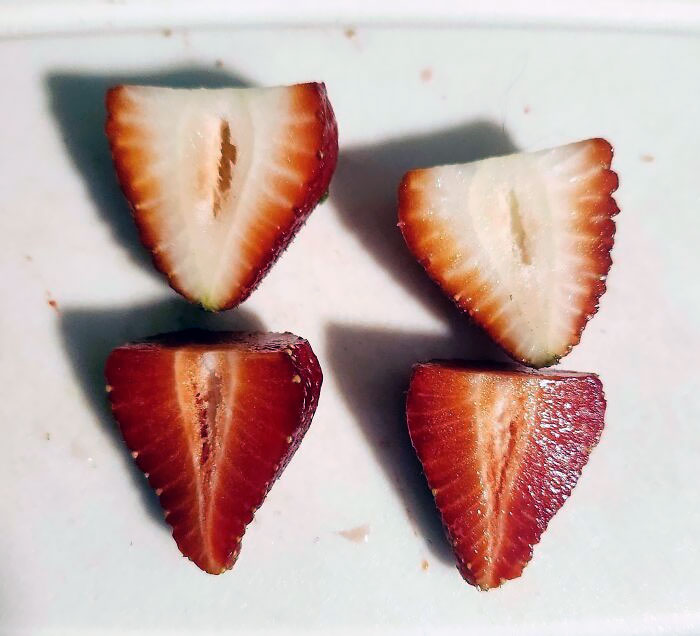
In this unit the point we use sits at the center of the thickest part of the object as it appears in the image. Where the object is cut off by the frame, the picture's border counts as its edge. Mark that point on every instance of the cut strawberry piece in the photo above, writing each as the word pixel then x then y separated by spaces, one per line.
pixel 522 243
pixel 502 449
pixel 219 181
pixel 213 419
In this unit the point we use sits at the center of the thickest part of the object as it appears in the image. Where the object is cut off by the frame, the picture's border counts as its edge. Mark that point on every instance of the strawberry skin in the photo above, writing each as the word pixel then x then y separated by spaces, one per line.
pixel 219 181
pixel 502 449
pixel 521 243
pixel 212 418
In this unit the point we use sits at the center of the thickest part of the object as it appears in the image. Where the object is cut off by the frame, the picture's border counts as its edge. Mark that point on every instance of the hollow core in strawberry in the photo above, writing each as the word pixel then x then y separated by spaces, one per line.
pixel 227 159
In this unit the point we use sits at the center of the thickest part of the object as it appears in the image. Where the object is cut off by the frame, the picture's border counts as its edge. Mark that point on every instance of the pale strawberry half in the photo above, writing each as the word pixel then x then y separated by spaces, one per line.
pixel 213 419
pixel 522 242
pixel 502 449
pixel 220 180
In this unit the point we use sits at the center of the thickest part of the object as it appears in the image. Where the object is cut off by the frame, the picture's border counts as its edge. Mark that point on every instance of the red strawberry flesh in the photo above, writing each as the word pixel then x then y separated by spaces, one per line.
pixel 502 449
pixel 213 419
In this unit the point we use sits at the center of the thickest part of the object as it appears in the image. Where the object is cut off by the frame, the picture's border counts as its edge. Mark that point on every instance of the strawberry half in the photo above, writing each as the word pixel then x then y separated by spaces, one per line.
pixel 213 419
pixel 522 243
pixel 502 449
pixel 220 180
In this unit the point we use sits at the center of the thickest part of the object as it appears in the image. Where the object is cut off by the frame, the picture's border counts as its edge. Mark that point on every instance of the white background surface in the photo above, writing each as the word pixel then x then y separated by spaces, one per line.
pixel 81 545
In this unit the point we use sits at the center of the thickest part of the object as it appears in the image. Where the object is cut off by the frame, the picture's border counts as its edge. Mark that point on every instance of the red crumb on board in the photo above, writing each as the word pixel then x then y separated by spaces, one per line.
pixel 350 33
pixel 360 534
pixel 424 565
pixel 426 74
pixel 52 303
pixel 526 109
pixel 647 158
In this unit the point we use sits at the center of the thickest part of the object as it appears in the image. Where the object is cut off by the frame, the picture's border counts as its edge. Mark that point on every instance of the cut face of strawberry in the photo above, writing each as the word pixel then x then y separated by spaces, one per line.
pixel 522 243
pixel 220 180
pixel 502 449
pixel 213 419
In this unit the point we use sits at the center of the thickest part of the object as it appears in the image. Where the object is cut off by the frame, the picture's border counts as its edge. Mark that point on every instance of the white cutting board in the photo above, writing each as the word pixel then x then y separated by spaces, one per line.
pixel 82 547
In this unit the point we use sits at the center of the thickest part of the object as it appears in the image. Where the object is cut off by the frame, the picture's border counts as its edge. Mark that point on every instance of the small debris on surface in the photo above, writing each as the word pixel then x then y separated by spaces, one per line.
pixel 359 534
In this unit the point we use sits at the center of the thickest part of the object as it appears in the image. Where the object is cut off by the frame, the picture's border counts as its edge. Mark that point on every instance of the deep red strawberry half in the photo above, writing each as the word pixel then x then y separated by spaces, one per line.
pixel 502 449
pixel 213 419
pixel 220 180
pixel 522 243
